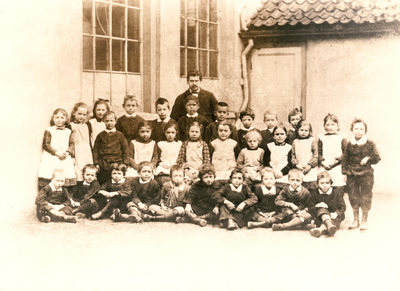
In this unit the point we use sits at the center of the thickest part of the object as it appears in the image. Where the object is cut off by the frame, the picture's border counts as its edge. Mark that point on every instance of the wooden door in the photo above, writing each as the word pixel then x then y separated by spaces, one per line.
pixel 276 82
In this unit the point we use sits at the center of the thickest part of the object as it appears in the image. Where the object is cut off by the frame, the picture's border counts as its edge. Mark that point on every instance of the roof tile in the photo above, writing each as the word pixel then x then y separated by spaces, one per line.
pixel 292 12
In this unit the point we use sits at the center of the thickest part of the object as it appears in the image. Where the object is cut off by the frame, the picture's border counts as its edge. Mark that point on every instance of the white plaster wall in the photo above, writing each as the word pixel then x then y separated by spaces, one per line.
pixel 358 78
pixel 41 71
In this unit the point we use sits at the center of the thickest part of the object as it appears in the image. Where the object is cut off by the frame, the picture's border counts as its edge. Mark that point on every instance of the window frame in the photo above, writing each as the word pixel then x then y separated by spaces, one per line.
pixel 184 48
pixel 110 38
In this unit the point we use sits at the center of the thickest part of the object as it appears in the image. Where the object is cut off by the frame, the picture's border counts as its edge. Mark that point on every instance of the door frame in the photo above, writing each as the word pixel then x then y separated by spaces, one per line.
pixel 268 43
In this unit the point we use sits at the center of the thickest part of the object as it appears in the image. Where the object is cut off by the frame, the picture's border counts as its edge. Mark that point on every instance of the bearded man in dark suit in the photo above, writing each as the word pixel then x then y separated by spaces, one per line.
pixel 207 100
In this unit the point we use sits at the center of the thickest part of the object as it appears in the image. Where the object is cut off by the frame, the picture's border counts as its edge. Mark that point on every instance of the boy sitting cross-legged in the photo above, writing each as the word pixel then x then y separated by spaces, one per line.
pixel 200 206
pixel 294 200
pixel 53 201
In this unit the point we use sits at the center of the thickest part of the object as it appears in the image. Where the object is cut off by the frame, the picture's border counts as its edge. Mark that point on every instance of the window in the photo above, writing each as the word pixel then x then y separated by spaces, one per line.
pixel 112 36
pixel 199 37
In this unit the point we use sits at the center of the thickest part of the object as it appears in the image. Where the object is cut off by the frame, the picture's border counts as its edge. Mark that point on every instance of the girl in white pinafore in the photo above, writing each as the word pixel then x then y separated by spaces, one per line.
pixel 223 152
pixel 96 124
pixel 80 130
pixel 305 154
pixel 331 146
pixel 169 149
pixel 278 155
pixel 58 150
pixel 142 149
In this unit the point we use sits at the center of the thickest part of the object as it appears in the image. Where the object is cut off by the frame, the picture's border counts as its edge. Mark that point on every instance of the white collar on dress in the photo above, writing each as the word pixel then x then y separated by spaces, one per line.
pixel 327 193
pixel 130 115
pixel 192 116
pixel 144 182
pixel 111 130
pixel 361 141
pixel 54 188
pixel 238 189
pixel 271 191
pixel 120 182
pixel 165 120
pixel 86 183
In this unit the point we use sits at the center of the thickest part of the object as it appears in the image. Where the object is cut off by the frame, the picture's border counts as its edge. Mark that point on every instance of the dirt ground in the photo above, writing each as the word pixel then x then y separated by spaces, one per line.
pixel 102 255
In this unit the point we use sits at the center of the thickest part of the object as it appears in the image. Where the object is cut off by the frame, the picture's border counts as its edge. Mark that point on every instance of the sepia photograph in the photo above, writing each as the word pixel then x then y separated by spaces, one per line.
pixel 200 145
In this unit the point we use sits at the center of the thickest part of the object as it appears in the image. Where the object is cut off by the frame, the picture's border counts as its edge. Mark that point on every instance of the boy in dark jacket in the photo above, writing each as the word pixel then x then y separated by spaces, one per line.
pixel 326 206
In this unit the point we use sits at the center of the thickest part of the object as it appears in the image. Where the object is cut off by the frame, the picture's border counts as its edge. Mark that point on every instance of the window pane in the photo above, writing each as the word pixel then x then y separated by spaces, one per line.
pixel 118 55
pixel 133 57
pixel 191 33
pixel 183 4
pixel 102 19
pixel 203 63
pixel 203 7
pixel 202 34
pixel 213 36
pixel 118 21
pixel 88 52
pixel 134 3
pixel 214 10
pixel 191 8
pixel 191 60
pixel 183 32
pixel 183 57
pixel 87 16
pixel 214 64
pixel 102 54
pixel 133 24
pixel 119 1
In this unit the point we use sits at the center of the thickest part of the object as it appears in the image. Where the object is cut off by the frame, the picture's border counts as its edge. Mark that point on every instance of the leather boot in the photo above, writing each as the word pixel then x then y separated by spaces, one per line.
pixel 69 218
pixel 331 228
pixel 135 214
pixel 102 212
pixel 356 222
pixel 255 224
pixel 119 217
pixel 231 225
pixel 182 219
pixel 197 220
pixel 283 226
pixel 318 231
pixel 364 224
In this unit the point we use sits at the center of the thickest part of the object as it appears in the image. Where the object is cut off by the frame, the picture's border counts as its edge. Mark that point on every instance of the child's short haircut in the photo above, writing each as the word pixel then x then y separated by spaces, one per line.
pixel 99 102
pixel 75 109
pixel 301 123
pixel 295 112
pixel 194 73
pixel 247 112
pixel 253 133
pixel 333 118
pixel 131 98
pixel 324 175
pixel 206 169
pixel 58 110
pixel 281 126
pixel 222 104
pixel 57 171
pixel 237 170
pixel 296 171
pixel 145 164
pixel 175 168
pixel 194 123
pixel 358 120
pixel 224 122
pixel 271 112
pixel 192 98
pixel 118 167
pixel 162 101
pixel 266 170
pixel 144 123
pixel 109 113
pixel 89 166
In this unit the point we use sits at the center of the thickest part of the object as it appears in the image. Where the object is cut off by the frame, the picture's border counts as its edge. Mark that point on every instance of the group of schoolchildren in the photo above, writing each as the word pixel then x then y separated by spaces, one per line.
pixel 199 171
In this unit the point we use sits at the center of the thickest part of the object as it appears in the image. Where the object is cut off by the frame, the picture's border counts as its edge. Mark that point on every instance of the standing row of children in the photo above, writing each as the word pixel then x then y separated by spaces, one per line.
pixel 130 142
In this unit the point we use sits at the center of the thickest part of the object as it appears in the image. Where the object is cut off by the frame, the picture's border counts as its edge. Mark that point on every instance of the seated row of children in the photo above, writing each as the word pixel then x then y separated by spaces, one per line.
pixel 220 143
pixel 233 205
